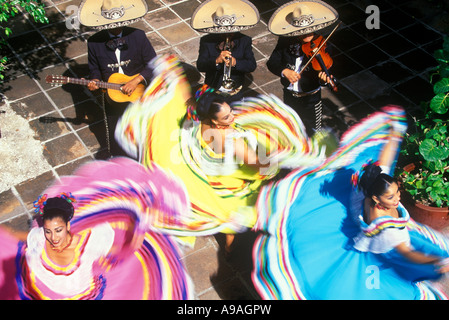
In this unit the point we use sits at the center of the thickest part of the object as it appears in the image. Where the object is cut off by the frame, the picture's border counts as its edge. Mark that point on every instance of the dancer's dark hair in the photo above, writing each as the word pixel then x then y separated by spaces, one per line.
pixel 208 105
pixel 58 208
pixel 373 182
pixel 55 207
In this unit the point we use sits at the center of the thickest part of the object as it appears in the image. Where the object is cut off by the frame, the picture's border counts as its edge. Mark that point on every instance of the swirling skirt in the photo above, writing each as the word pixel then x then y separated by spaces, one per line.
pixel 306 248
pixel 134 201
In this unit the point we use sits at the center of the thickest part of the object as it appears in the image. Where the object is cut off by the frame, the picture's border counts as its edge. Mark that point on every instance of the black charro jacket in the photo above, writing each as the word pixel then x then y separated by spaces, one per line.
pixel 209 50
pixel 284 56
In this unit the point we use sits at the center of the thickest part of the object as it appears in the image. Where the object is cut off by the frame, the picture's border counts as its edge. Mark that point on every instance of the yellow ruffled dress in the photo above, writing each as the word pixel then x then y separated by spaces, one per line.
pixel 158 129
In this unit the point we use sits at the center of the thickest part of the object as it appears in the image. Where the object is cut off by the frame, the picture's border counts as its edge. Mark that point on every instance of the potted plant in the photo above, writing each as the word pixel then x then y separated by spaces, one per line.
pixel 425 152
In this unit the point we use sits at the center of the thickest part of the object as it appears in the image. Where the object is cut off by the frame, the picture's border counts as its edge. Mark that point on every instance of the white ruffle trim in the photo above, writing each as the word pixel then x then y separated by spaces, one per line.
pixel 99 244
pixel 383 242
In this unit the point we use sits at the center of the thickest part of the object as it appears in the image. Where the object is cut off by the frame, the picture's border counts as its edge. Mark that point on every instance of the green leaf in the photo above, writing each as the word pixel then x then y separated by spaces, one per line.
pixel 7 31
pixel 430 150
pixel 438 185
pixel 441 86
pixel 441 55
pixel 444 71
pixel 440 103
pixel 432 133
pixel 420 184
pixel 439 166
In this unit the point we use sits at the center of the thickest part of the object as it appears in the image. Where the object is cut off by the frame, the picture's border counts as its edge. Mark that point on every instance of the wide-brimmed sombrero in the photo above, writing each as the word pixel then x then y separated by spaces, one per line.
pixel 109 14
pixel 301 17
pixel 224 16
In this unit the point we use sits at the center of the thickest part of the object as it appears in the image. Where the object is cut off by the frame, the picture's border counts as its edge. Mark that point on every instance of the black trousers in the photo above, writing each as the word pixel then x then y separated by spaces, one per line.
pixel 113 112
pixel 308 108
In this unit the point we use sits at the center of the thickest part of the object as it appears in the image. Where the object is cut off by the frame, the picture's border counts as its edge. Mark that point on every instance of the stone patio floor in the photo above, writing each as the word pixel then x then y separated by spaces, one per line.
pixel 47 132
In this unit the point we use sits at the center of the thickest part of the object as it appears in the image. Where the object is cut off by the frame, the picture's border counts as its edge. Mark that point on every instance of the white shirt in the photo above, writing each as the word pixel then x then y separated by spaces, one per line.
pixel 117 51
pixel 295 86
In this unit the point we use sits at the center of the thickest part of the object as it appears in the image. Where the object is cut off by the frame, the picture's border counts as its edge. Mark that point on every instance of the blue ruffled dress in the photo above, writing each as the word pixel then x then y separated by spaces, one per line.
pixel 314 244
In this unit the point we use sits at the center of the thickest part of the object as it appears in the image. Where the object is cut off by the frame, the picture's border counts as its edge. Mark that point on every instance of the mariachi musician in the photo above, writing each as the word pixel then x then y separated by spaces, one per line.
pixel 295 23
pixel 116 48
pixel 225 54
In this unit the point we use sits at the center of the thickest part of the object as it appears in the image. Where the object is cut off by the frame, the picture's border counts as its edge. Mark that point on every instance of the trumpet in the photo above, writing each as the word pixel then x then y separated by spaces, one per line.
pixel 227 82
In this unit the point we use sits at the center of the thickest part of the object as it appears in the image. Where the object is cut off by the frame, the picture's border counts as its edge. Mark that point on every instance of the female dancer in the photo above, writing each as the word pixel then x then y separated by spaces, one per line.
pixel 330 241
pixel 381 204
pixel 222 154
pixel 222 138
pixel 222 135
pixel 98 240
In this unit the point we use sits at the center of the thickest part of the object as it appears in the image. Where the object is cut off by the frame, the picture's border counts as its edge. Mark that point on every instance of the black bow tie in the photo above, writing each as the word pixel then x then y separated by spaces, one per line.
pixel 221 46
pixel 115 43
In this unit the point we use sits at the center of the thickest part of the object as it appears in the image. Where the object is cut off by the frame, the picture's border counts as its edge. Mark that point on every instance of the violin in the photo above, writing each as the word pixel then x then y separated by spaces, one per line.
pixel 321 60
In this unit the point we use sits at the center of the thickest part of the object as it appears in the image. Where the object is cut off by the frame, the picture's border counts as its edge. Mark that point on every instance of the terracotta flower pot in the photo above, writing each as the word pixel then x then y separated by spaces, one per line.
pixel 434 217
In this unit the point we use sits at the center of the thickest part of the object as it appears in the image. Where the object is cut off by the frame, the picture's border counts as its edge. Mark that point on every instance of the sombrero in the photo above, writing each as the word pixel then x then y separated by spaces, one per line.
pixel 224 16
pixel 109 14
pixel 301 17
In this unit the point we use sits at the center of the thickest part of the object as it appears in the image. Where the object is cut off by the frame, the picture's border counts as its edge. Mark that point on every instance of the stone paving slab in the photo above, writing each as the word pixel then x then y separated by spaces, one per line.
pixel 374 67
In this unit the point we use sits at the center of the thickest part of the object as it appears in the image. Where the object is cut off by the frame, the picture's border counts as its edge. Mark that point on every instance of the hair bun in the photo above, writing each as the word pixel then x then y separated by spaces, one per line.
pixel 64 203
pixel 60 204
pixel 366 179
pixel 208 104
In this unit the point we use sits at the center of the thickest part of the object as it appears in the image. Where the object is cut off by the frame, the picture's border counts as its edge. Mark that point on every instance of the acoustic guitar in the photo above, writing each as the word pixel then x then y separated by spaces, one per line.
pixel 113 86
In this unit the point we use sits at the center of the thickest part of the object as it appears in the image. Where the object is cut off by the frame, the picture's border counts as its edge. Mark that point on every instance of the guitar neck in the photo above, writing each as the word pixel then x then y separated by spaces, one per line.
pixel 100 84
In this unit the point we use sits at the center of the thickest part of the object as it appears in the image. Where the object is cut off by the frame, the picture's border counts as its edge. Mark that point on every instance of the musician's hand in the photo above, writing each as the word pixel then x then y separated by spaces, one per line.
pixel 233 61
pixel 129 87
pixel 92 85
pixel 224 57
pixel 291 75
pixel 323 77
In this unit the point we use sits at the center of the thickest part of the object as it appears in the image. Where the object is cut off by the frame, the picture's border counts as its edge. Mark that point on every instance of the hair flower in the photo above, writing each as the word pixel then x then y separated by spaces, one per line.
pixel 40 203
pixel 205 88
pixel 191 104
pixel 191 114
pixel 68 197
pixel 370 162
pixel 355 179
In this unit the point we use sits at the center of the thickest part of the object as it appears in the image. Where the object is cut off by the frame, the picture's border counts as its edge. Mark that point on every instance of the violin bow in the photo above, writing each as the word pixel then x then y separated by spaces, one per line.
pixel 319 48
